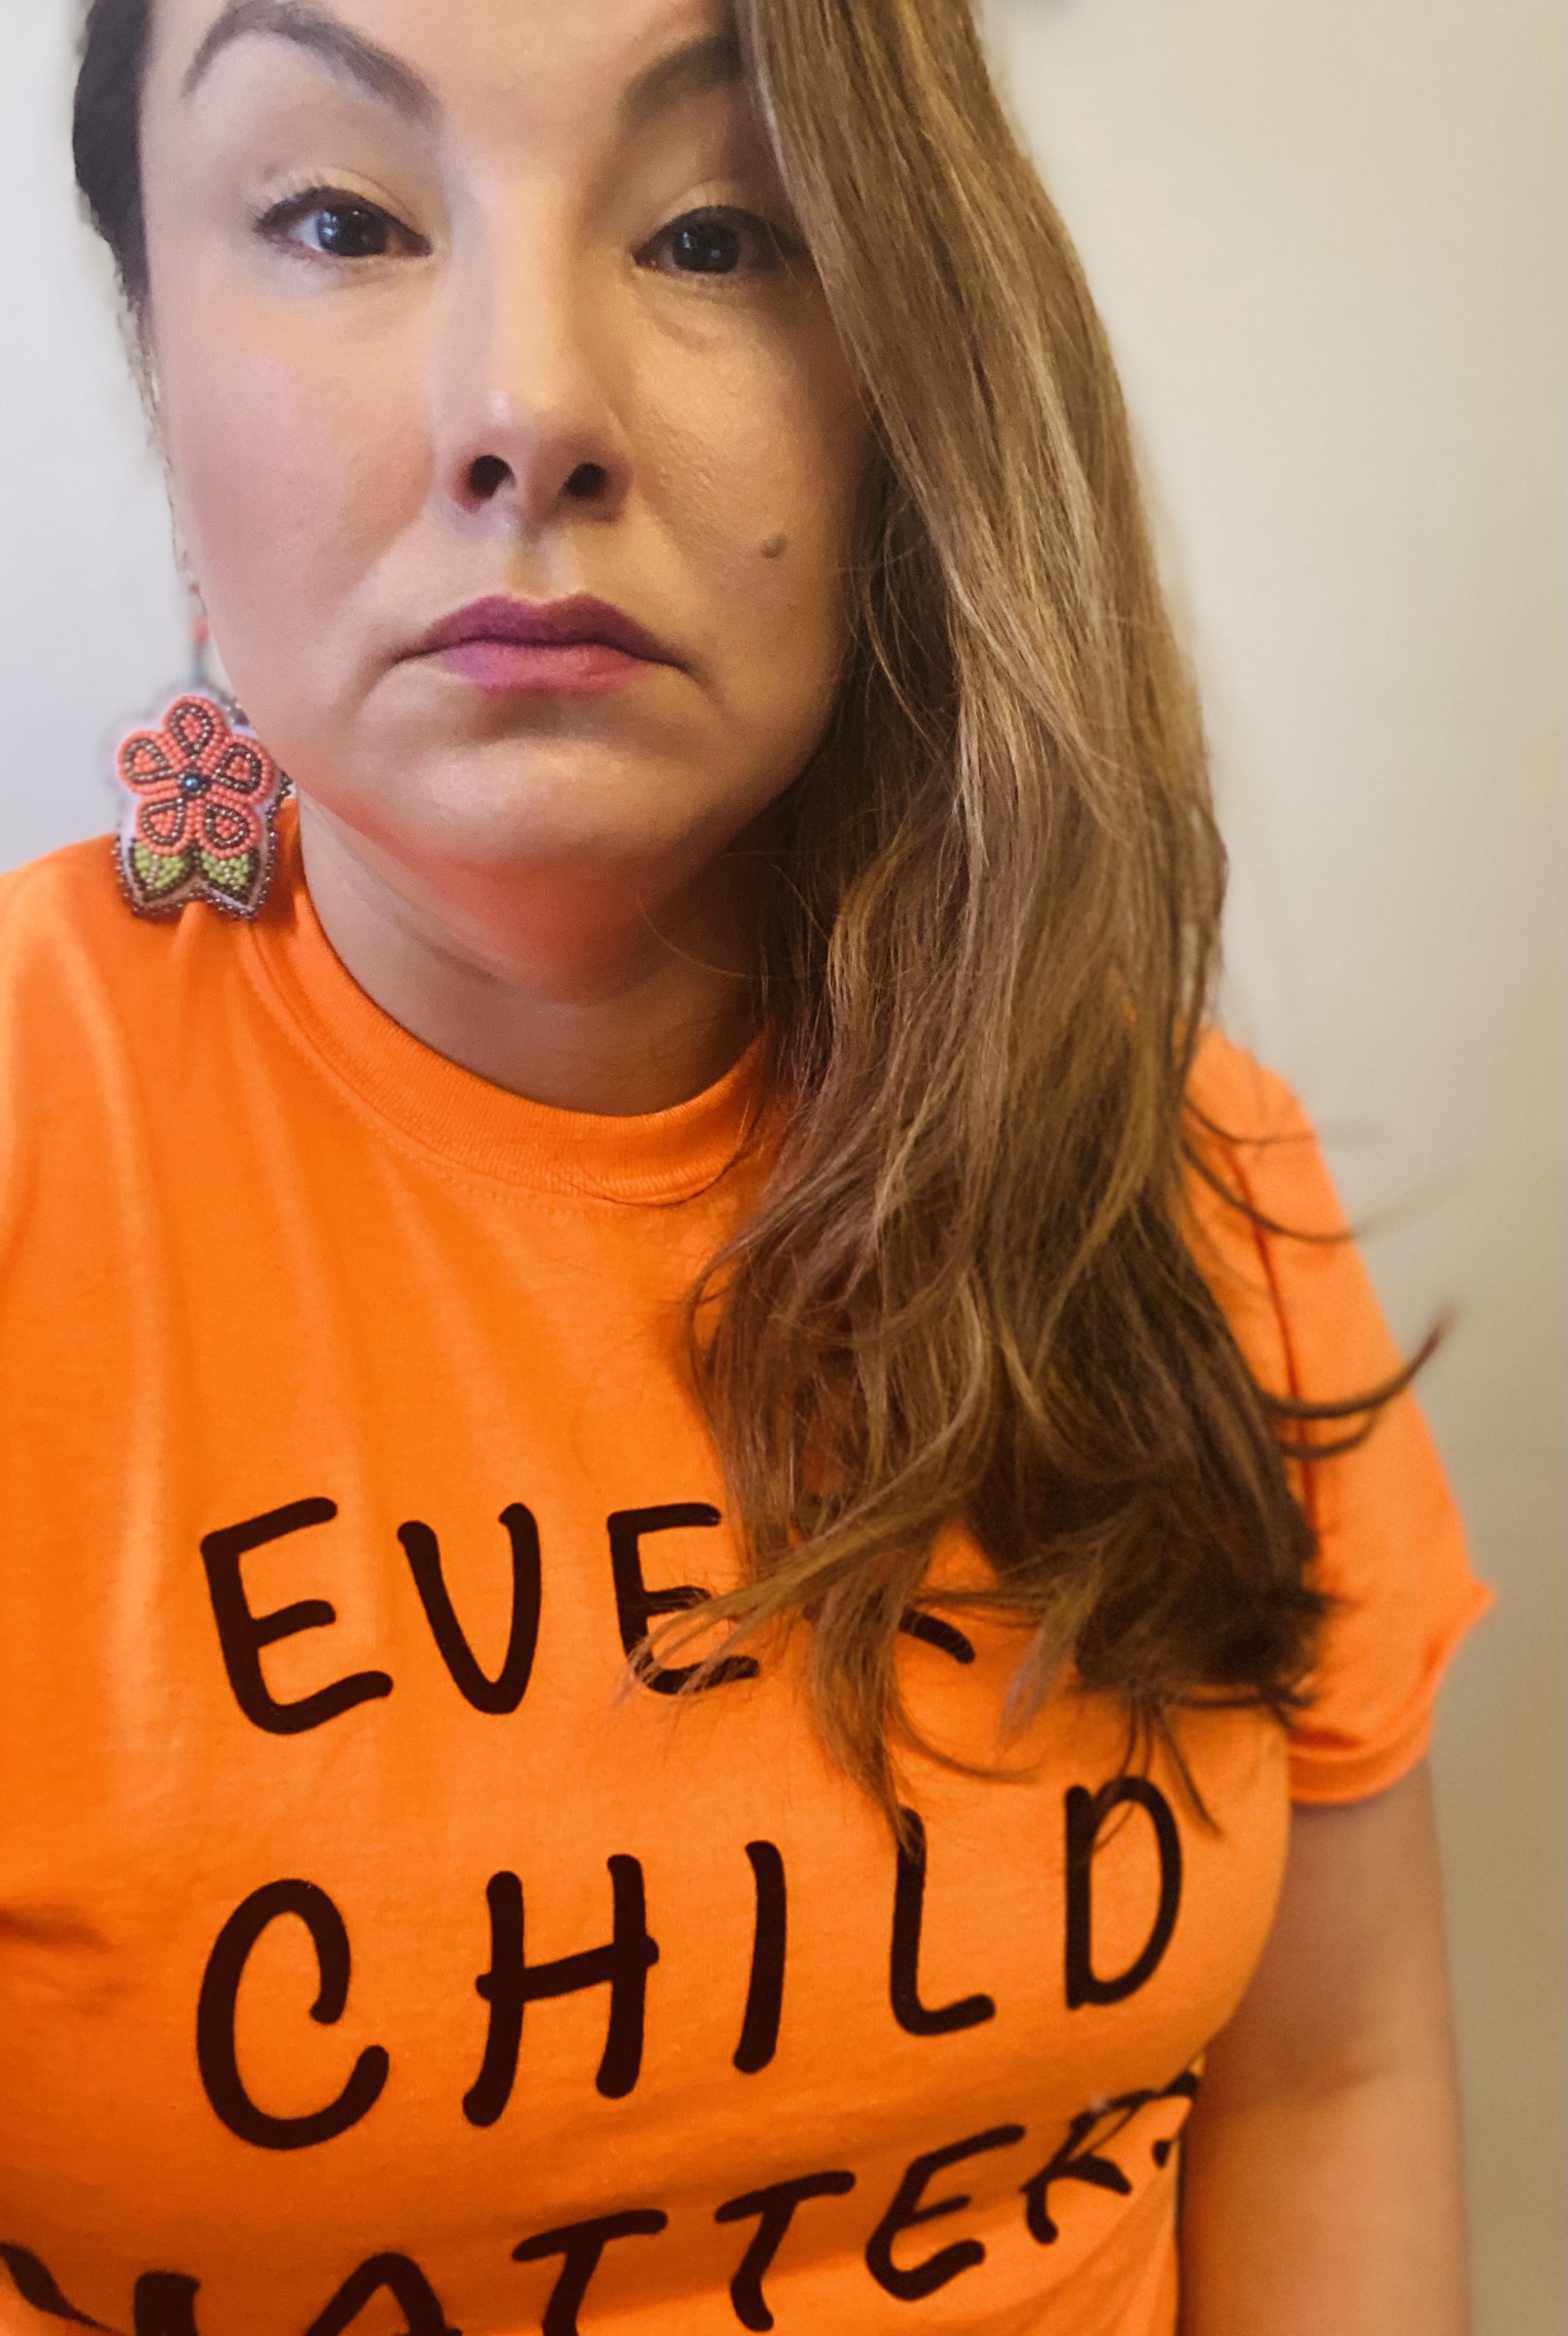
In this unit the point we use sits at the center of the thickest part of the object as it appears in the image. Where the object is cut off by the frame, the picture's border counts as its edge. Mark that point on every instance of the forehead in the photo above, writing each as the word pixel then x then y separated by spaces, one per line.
pixel 507 54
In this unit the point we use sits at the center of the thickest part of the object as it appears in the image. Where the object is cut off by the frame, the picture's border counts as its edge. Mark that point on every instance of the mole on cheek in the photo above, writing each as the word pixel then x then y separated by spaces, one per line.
pixel 773 548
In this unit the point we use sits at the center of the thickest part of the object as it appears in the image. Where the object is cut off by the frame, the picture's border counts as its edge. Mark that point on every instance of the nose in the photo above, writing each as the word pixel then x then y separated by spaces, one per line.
pixel 527 424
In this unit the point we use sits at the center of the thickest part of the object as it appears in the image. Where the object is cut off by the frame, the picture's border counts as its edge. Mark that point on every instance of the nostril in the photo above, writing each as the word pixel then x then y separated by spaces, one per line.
pixel 487 476
pixel 587 482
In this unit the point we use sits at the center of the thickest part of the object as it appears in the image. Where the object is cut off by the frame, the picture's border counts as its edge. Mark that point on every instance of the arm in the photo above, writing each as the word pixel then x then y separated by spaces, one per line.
pixel 1322 2187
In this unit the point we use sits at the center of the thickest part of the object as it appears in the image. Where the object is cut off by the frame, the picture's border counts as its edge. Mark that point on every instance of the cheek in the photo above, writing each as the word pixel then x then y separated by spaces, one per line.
pixel 757 478
pixel 766 460
pixel 293 470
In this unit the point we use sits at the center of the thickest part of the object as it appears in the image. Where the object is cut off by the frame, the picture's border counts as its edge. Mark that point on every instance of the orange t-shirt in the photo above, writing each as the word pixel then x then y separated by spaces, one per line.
pixel 372 1957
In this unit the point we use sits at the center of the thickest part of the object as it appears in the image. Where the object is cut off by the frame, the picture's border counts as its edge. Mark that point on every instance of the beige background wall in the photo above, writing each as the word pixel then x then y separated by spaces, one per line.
pixel 1327 236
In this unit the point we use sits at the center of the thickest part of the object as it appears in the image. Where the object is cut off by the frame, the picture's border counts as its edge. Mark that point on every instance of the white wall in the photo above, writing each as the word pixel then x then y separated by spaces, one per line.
pixel 91 618
pixel 1327 236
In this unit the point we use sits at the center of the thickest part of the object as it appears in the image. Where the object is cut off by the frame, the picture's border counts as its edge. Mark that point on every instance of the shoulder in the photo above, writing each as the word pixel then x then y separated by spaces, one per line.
pixel 69 939
pixel 77 874
pixel 1257 1168
pixel 62 913
pixel 58 982
pixel 1269 1232
pixel 1238 1107
pixel 78 972
pixel 1271 1239
pixel 94 1000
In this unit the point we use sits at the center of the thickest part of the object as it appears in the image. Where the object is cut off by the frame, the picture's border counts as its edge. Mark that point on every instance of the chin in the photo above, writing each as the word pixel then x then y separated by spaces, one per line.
pixel 513 804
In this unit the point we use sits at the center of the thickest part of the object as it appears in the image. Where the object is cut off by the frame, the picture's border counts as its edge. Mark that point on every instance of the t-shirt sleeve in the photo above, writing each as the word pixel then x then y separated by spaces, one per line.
pixel 1390 1545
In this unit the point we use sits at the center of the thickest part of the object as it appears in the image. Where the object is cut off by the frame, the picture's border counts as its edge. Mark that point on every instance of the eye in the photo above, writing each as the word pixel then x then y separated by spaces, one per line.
pixel 338 226
pixel 718 242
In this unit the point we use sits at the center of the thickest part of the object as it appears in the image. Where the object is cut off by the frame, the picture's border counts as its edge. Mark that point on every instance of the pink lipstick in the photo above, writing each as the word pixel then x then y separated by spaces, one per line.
pixel 575 647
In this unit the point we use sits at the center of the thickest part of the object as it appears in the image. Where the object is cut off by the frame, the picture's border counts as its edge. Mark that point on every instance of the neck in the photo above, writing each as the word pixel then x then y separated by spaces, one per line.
pixel 611 990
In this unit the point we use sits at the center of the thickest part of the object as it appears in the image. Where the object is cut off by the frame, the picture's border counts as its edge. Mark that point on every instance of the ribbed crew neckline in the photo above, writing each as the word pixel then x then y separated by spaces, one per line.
pixel 464 1120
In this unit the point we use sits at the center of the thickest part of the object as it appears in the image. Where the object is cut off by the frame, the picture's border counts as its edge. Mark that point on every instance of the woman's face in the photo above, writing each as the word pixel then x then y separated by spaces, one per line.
pixel 453 300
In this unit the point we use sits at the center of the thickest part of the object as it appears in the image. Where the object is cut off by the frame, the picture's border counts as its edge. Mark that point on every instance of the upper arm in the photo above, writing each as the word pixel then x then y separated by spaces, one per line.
pixel 1321 2173
pixel 1322 2184
pixel 1353 1983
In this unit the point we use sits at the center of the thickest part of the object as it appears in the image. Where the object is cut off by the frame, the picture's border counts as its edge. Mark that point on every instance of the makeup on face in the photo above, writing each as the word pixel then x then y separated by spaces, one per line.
pixel 494 381
pixel 579 647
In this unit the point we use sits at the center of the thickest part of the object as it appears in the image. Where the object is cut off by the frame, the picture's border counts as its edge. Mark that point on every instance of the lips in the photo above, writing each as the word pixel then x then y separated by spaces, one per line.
pixel 580 622
pixel 574 648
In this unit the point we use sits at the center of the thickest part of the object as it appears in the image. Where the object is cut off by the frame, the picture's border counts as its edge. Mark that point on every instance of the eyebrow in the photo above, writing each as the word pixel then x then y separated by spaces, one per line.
pixel 712 63
pixel 349 54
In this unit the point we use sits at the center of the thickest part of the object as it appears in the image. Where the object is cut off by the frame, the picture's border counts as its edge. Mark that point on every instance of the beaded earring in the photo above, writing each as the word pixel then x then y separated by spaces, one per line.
pixel 200 816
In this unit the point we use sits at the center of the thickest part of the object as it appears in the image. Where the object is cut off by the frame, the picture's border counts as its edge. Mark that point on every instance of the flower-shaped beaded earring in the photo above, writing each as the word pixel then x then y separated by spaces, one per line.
pixel 201 793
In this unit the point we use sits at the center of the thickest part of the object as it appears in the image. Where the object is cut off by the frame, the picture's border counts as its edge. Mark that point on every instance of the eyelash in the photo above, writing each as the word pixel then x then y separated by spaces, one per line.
pixel 774 248
pixel 280 218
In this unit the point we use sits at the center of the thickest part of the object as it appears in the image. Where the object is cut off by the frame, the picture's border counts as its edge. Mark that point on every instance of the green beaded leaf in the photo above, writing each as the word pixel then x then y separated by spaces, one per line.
pixel 160 872
pixel 232 876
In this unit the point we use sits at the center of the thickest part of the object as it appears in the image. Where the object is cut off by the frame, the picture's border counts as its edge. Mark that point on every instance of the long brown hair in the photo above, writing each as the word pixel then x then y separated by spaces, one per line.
pixel 968 1293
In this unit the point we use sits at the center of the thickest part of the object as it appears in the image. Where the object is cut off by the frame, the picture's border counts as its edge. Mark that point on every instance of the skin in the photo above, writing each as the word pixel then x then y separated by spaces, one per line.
pixel 1323 2181
pixel 525 393
pixel 521 393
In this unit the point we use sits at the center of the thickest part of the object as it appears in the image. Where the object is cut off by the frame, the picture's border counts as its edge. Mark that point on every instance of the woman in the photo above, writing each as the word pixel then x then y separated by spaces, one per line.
pixel 689 1481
